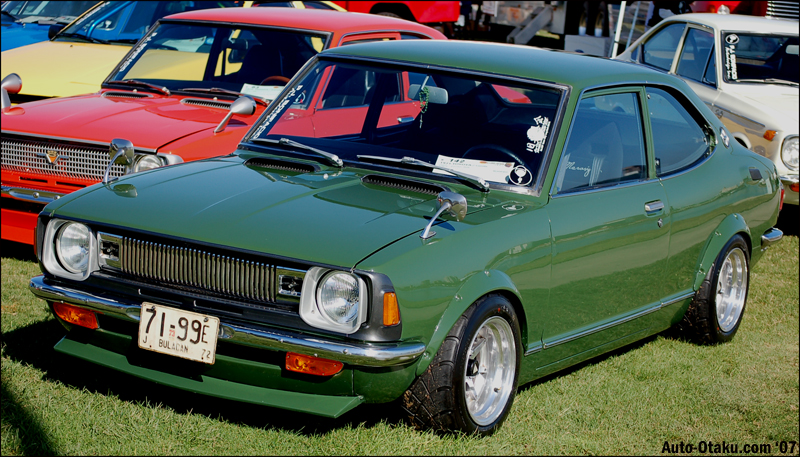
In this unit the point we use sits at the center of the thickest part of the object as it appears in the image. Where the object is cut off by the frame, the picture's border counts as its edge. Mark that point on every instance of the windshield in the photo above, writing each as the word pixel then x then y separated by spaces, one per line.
pixel 750 57
pixel 63 12
pixel 219 59
pixel 497 131
pixel 127 22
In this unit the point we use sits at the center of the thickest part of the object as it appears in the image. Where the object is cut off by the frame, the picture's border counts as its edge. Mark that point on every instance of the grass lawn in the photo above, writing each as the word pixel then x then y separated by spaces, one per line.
pixel 631 401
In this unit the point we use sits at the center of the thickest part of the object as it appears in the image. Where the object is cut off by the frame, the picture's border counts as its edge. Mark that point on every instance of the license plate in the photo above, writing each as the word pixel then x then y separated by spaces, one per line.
pixel 179 333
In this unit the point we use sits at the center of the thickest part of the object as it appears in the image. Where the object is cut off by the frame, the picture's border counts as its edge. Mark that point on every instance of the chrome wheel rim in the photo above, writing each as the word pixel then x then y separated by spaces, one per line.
pixel 489 371
pixel 731 289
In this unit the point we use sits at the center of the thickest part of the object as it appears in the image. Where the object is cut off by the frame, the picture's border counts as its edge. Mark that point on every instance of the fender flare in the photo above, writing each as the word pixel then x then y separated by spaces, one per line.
pixel 730 226
pixel 475 287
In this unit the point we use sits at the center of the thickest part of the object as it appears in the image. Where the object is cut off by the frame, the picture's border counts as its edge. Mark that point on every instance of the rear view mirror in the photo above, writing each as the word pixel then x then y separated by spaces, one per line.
pixel 436 95
pixel 11 84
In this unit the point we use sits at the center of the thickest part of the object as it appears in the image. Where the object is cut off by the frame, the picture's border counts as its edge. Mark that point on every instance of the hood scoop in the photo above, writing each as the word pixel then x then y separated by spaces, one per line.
pixel 409 185
pixel 120 94
pixel 207 103
pixel 283 165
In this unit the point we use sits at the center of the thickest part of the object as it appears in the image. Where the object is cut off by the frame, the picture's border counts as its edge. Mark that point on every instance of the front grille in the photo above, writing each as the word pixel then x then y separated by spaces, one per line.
pixel 205 272
pixel 787 10
pixel 74 161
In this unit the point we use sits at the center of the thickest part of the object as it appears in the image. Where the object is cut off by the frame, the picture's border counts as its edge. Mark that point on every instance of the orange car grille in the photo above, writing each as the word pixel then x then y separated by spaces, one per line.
pixel 83 162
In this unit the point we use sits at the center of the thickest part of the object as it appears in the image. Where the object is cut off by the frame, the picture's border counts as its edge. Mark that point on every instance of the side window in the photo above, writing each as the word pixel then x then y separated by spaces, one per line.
pixel 606 144
pixel 678 140
pixel 350 87
pixel 696 50
pixel 661 48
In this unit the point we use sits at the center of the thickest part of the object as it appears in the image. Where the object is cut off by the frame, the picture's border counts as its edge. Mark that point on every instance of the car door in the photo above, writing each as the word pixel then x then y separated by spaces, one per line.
pixel 610 228
pixel 683 141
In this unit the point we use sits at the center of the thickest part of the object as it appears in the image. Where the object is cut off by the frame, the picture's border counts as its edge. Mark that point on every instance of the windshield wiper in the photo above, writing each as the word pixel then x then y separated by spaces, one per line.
pixel 218 90
pixel 480 183
pixel 82 37
pixel 769 80
pixel 332 158
pixel 134 82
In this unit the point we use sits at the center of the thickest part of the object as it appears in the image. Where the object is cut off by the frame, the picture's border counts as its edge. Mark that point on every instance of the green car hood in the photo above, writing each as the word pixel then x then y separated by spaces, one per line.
pixel 330 217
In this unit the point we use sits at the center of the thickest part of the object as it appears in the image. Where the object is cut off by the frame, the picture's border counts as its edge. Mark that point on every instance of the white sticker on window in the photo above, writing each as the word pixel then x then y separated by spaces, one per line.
pixel 486 170
pixel 268 93
pixel 520 176
pixel 537 134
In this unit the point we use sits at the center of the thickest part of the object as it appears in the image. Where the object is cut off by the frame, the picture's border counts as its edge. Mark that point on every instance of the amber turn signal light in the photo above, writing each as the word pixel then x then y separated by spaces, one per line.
pixel 391 311
pixel 769 134
pixel 312 365
pixel 75 315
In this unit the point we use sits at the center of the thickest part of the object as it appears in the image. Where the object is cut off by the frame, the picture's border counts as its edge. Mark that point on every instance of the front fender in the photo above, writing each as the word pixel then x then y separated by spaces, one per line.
pixel 475 287
pixel 730 226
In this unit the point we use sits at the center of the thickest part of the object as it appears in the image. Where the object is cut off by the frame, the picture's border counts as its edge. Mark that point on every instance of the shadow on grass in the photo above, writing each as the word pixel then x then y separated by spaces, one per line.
pixel 789 220
pixel 593 361
pixel 17 251
pixel 33 345
pixel 33 439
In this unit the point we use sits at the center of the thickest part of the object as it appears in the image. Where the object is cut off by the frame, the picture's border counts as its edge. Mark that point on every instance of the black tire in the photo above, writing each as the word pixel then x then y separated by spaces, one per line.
pixel 438 398
pixel 702 323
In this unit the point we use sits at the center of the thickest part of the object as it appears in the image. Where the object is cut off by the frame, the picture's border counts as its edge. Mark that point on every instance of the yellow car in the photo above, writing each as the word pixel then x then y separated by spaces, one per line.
pixel 81 55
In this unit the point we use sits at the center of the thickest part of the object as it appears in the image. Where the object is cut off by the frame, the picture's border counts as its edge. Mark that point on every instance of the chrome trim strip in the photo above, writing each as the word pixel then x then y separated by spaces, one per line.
pixel 31 195
pixel 605 326
pixel 362 354
pixel 533 349
pixel 790 179
pixel 770 237
pixel 71 140
pixel 677 299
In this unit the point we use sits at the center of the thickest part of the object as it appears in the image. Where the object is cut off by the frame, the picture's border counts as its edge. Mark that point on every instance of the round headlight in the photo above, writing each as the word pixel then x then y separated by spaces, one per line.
pixel 789 153
pixel 723 9
pixel 147 162
pixel 72 245
pixel 338 297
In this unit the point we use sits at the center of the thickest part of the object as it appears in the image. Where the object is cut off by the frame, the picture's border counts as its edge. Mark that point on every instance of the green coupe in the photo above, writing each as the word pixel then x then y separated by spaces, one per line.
pixel 435 223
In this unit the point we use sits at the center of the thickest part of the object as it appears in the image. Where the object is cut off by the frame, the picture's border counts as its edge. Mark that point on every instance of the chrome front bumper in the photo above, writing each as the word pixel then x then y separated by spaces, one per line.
pixel 30 195
pixel 363 354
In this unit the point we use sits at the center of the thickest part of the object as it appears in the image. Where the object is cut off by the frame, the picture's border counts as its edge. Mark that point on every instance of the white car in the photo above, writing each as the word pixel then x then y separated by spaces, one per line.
pixel 745 68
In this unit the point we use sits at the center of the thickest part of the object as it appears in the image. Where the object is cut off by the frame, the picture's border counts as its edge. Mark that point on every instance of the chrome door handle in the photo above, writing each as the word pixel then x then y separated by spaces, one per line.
pixel 404 119
pixel 652 207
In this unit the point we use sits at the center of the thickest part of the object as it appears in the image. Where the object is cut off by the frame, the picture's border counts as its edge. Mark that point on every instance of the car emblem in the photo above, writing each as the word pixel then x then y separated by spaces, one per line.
pixel 725 139
pixel 732 38
pixel 52 156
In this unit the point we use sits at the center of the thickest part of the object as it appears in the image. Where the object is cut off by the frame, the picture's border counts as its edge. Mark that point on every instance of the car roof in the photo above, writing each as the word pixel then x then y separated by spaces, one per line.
pixel 577 70
pixel 310 19
pixel 739 22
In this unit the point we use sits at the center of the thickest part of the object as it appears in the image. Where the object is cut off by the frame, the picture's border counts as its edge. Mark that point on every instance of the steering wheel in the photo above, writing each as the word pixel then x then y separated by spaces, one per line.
pixel 275 78
pixel 164 46
pixel 476 151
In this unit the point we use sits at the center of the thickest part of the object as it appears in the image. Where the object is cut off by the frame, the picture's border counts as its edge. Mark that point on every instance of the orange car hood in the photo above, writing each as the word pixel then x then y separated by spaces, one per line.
pixel 150 123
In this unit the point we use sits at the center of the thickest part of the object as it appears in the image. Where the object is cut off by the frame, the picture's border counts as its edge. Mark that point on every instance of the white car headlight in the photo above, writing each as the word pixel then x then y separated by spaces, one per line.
pixel 147 162
pixel 333 300
pixel 723 9
pixel 69 249
pixel 789 152
pixel 338 297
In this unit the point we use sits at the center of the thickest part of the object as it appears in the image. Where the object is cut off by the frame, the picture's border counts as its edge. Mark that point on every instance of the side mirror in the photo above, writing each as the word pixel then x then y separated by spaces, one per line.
pixel 243 105
pixel 121 153
pixel 455 204
pixel 11 84
pixel 54 29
